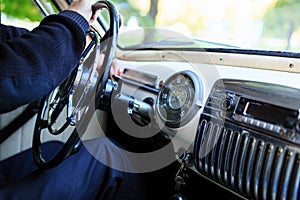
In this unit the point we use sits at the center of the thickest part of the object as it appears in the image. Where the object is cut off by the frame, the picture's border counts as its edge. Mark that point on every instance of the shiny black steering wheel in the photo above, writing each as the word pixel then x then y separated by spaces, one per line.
pixel 79 95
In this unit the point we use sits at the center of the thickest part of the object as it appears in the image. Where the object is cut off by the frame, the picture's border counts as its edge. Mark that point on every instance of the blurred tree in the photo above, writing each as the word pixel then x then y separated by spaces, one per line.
pixel 21 9
pixel 150 33
pixel 129 9
pixel 282 20
pixel 153 10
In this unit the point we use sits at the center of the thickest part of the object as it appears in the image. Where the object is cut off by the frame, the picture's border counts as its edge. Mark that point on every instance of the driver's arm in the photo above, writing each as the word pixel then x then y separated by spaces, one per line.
pixel 34 63
pixel 9 32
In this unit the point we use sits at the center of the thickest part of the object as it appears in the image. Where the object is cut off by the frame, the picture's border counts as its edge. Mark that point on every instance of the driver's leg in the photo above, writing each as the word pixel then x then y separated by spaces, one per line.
pixel 80 176
pixel 16 167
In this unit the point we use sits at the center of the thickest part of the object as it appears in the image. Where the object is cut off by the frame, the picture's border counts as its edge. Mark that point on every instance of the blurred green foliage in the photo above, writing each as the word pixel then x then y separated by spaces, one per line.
pixel 21 9
pixel 26 9
pixel 282 20
pixel 128 9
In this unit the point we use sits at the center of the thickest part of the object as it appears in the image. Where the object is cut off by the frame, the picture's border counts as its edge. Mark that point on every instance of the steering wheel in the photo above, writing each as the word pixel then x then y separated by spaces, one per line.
pixel 84 88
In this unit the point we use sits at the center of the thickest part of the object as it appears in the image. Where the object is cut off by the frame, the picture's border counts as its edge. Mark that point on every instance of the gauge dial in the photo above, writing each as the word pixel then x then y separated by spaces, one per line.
pixel 177 98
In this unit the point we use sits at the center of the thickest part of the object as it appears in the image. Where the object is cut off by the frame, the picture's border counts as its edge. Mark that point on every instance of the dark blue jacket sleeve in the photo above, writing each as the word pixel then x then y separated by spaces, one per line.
pixel 34 63
pixel 9 32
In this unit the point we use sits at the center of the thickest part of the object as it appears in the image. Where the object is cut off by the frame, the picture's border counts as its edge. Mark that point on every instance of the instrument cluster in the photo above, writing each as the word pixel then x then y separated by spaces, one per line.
pixel 180 98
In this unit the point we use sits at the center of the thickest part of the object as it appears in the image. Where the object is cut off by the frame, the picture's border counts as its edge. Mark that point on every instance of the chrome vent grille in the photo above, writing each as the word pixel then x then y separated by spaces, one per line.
pixel 248 163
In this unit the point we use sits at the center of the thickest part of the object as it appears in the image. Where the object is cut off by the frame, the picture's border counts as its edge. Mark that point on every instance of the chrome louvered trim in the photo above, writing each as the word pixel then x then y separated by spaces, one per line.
pixel 248 163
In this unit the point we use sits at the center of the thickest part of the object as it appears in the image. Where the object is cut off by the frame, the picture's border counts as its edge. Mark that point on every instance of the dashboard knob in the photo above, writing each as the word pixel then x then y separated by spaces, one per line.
pixel 226 103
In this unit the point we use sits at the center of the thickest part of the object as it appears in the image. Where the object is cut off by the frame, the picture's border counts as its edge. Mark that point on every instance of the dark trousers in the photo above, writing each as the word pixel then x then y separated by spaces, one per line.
pixel 80 176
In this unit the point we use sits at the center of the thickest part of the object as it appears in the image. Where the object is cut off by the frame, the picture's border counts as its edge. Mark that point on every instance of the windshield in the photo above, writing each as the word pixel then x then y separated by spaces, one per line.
pixel 222 24
pixel 246 24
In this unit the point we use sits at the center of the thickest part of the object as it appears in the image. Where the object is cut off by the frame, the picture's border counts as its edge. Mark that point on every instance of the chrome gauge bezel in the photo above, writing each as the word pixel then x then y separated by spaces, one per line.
pixel 180 99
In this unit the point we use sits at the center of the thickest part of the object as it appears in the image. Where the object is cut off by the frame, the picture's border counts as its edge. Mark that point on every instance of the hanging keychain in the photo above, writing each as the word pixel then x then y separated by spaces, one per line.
pixel 182 175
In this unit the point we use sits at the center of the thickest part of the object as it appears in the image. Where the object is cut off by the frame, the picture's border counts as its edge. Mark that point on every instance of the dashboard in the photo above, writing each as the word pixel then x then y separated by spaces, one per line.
pixel 240 125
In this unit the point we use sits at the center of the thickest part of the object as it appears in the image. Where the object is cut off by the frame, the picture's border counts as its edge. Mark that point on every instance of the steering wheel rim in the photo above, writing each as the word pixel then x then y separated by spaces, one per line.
pixel 77 82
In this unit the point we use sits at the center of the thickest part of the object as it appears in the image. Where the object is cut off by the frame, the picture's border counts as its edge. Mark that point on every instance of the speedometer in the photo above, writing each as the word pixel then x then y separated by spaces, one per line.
pixel 180 98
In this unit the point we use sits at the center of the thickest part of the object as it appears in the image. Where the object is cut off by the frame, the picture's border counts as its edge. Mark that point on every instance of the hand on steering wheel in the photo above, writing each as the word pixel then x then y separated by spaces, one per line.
pixel 80 94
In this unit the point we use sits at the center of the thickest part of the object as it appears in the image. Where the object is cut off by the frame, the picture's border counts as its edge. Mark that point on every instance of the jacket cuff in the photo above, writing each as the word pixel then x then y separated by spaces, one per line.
pixel 76 17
